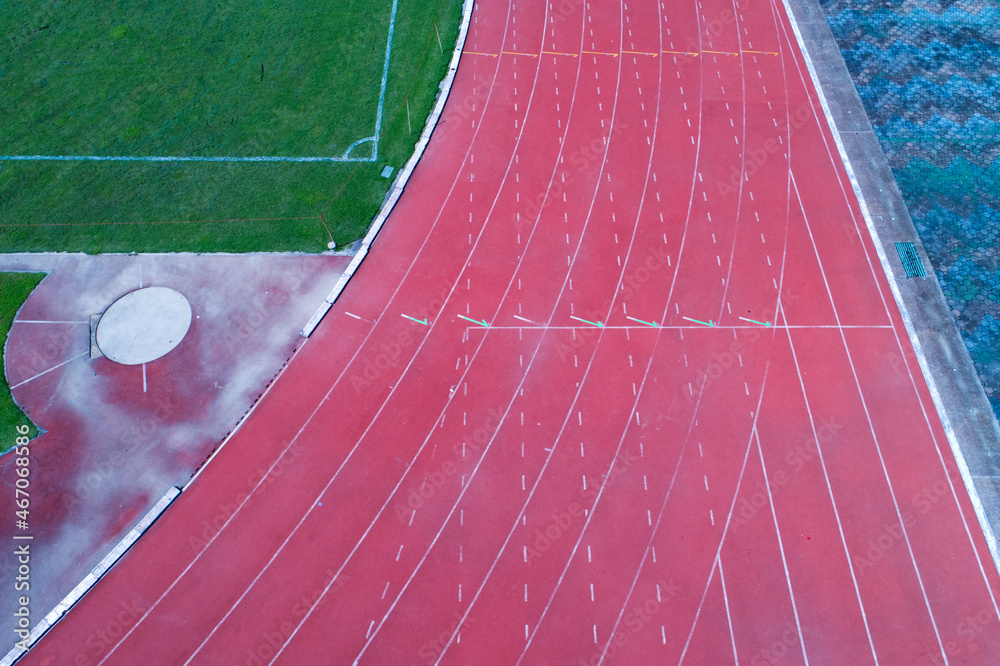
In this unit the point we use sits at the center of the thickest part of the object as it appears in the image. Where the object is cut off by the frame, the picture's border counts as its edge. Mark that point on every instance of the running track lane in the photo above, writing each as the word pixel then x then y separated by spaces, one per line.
pixel 596 476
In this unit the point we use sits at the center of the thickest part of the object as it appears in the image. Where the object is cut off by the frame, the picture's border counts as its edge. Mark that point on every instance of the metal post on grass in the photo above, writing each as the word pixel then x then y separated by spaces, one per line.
pixel 409 128
pixel 439 37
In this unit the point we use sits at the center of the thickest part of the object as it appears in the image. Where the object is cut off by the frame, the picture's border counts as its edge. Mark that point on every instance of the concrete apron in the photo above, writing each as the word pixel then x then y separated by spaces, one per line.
pixel 117 437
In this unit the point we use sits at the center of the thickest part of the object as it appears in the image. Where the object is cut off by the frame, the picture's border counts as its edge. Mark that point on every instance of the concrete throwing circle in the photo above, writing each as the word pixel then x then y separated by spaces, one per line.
pixel 143 325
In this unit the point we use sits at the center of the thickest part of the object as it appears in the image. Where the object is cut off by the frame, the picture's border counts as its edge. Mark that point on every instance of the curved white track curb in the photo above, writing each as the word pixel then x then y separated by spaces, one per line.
pixel 95 575
pixel 395 192
pixel 404 176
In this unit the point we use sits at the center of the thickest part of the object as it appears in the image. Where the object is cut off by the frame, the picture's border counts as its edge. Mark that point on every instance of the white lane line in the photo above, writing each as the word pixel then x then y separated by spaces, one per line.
pixel 650 548
pixel 729 617
pixel 530 363
pixel 743 159
pixel 833 501
pixel 673 283
pixel 729 517
pixel 308 421
pixel 953 443
pixel 575 401
pixel 871 428
pixel 781 549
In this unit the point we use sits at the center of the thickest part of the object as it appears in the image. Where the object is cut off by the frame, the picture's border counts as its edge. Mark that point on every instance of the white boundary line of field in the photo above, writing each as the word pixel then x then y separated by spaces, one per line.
pixel 345 157
pixel 381 96
pixel 963 467
pixel 401 179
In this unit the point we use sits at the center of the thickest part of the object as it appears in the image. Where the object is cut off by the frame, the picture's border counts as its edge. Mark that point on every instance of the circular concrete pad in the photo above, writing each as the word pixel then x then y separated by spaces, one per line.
pixel 143 325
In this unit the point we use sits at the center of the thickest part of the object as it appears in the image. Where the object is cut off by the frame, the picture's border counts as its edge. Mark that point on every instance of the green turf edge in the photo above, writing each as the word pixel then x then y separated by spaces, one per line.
pixel 360 202
pixel 14 291
pixel 338 200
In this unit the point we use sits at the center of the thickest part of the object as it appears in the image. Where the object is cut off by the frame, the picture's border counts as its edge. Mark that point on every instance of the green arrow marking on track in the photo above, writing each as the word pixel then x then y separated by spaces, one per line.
pixel 647 323
pixel 475 321
pixel 754 321
pixel 703 323
pixel 424 321
pixel 599 324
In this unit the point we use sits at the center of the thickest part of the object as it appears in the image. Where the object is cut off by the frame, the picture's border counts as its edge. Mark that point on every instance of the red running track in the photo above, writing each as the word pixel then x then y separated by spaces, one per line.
pixel 644 488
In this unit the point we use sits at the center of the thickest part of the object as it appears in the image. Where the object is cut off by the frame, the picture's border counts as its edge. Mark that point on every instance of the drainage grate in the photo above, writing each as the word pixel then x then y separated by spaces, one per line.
pixel 912 264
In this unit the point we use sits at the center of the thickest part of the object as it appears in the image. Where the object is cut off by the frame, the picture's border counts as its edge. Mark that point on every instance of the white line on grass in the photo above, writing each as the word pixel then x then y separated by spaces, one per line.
pixel 345 157
pixel 180 158
pixel 385 78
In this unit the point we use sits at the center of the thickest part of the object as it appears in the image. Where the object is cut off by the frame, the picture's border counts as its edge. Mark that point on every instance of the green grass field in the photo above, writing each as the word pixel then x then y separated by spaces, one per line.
pixel 195 79
pixel 14 290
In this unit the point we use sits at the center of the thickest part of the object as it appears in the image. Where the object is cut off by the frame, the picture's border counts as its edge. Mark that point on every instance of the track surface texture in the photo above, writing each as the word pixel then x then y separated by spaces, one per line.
pixel 533 488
